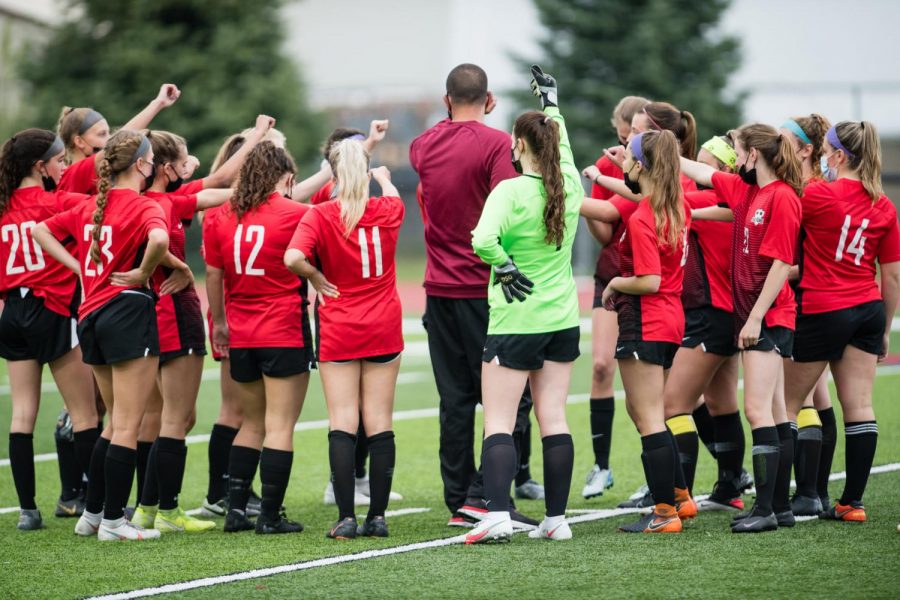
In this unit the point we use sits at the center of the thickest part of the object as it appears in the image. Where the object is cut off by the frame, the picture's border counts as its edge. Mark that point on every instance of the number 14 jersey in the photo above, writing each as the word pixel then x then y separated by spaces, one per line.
pixel 366 319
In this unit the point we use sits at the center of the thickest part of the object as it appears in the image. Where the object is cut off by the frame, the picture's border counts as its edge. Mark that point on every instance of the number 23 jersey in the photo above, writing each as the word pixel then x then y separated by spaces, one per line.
pixel 264 305
pixel 366 319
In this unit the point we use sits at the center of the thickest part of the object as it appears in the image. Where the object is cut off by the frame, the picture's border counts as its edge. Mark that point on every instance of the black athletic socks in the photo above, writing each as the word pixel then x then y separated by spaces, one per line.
pixel 559 457
pixel 766 449
pixel 84 447
pixel 523 471
pixel 170 460
pixel 96 489
pixel 730 446
pixel 498 461
pixel 119 473
pixel 362 450
pixel 703 421
pixel 829 443
pixel 382 456
pixel 150 493
pixel 242 465
pixel 658 458
pixel 70 473
pixel 274 473
pixel 781 501
pixel 687 444
pixel 342 457
pixel 602 412
pixel 807 452
pixel 220 440
pixel 143 457
pixel 21 459
pixel 861 438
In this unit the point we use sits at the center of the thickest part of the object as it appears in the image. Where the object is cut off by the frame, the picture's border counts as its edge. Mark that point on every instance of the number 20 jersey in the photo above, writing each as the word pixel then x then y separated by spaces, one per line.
pixel 843 234
pixel 264 305
pixel 366 319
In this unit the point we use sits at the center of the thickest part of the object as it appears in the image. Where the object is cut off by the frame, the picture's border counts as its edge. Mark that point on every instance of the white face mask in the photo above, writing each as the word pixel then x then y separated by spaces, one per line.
pixel 827 172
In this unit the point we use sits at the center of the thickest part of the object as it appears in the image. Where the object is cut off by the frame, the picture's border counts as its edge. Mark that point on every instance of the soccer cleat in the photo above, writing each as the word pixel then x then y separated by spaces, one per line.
pixel 475 508
pixel 755 522
pixel 785 518
pixel 219 508
pixel 359 499
pixel 826 503
pixel 254 504
pixel 30 519
pixel 461 520
pixel 362 489
pixel 177 521
pixel 745 482
pixel 236 520
pixel 345 529
pixel 806 506
pixel 374 527
pixel 530 490
pixel 663 519
pixel 645 501
pixel 522 522
pixel 556 531
pixel 685 504
pixel 144 516
pixel 853 512
pixel 490 530
pixel 280 525
pixel 122 529
pixel 69 508
pixel 88 524
pixel 598 480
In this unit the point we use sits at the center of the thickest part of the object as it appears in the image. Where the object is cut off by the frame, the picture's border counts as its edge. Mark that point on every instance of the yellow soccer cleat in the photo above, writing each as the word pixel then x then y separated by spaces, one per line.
pixel 177 521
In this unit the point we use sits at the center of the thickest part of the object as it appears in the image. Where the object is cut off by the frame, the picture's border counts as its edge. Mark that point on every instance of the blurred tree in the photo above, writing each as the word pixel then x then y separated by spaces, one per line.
pixel 601 50
pixel 224 55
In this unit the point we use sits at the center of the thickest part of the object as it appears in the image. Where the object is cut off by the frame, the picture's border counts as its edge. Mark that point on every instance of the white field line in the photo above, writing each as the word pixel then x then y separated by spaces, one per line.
pixel 594 515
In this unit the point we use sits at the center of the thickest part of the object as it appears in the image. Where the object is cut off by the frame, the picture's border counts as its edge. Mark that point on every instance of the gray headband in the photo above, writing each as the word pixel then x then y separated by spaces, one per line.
pixel 90 119
pixel 55 148
pixel 141 150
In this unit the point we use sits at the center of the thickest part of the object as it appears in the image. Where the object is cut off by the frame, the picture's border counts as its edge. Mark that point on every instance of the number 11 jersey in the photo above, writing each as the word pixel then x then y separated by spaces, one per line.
pixel 366 319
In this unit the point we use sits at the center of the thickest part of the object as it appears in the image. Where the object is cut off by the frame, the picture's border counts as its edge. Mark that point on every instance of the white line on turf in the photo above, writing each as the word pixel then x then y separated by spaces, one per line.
pixel 587 516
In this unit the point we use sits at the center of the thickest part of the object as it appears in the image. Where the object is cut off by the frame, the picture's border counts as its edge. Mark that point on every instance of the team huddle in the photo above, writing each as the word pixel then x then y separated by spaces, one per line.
pixel 771 249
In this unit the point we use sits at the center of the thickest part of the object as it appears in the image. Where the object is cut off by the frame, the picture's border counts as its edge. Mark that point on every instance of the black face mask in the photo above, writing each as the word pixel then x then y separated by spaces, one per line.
pixel 148 180
pixel 701 187
pixel 748 177
pixel 49 184
pixel 95 150
pixel 173 186
pixel 516 162
pixel 633 186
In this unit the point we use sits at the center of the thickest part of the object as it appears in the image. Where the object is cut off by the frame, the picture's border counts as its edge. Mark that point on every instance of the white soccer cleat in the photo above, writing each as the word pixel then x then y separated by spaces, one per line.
pixel 359 499
pixel 362 487
pixel 597 481
pixel 491 529
pixel 88 524
pixel 124 530
pixel 556 529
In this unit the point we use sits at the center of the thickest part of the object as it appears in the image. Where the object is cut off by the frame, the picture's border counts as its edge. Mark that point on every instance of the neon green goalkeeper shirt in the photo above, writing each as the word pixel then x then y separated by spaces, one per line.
pixel 512 226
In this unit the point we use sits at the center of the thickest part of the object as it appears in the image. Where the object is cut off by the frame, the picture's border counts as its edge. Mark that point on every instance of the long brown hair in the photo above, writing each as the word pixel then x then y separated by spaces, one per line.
pixel 776 150
pixel 814 126
pixel 118 156
pixel 262 169
pixel 17 158
pixel 861 138
pixel 661 162
pixel 680 122
pixel 541 133
pixel 167 146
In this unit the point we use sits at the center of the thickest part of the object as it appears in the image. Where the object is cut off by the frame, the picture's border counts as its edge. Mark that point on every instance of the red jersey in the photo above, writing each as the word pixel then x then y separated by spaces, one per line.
pixel 263 304
pixel 610 169
pixel 366 319
pixel 80 177
pixel 175 312
pixel 707 274
pixel 845 233
pixel 657 317
pixel 191 187
pixel 127 221
pixel 323 194
pixel 26 264
pixel 766 226
pixel 458 163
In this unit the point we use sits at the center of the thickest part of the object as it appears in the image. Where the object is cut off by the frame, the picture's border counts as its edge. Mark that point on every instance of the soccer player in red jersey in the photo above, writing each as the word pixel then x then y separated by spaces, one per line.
pixel 604 326
pixel 845 312
pixel 647 298
pixel 812 422
pixel 117 324
pixel 84 131
pixel 762 199
pixel 377 131
pixel 263 329
pixel 353 241
pixel 40 295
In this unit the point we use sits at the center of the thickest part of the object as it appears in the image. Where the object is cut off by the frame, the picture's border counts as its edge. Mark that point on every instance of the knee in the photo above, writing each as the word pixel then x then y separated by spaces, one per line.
pixel 604 368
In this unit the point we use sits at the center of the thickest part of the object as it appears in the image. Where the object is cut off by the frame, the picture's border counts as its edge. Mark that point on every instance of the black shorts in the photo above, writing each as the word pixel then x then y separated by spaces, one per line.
pixel 528 351
pixel 165 357
pixel 655 353
pixel 778 339
pixel 599 286
pixel 31 331
pixel 824 336
pixel 122 329
pixel 250 364
pixel 381 359
pixel 710 328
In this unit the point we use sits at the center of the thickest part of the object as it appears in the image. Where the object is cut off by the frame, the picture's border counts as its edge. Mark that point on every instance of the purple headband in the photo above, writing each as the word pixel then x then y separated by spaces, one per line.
pixel 357 136
pixel 636 149
pixel 832 137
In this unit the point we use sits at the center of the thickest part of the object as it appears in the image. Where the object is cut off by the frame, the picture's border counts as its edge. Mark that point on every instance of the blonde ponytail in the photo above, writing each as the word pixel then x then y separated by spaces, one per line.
pixel 351 163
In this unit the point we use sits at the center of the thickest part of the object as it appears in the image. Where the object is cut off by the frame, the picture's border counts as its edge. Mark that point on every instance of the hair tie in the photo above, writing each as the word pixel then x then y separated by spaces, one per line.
pixel 546 119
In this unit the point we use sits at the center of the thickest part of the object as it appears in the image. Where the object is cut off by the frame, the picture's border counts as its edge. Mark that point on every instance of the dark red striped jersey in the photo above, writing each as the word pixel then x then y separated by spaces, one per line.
pixel 707 274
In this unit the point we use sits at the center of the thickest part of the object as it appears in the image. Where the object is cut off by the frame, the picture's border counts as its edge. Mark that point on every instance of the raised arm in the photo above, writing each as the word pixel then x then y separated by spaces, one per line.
pixel 600 210
pixel 377 131
pixel 700 173
pixel 229 169
pixel 613 184
pixel 168 94
pixel 213 197
pixel 304 190
pixel 713 213
pixel 382 176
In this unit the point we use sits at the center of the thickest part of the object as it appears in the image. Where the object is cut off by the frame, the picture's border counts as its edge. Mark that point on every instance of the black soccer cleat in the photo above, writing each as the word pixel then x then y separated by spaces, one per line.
pixel 645 501
pixel 522 522
pixel 374 527
pixel 756 522
pixel 236 520
pixel 345 529
pixel 806 506
pixel 785 518
pixel 281 524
